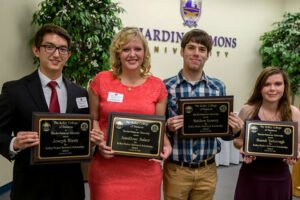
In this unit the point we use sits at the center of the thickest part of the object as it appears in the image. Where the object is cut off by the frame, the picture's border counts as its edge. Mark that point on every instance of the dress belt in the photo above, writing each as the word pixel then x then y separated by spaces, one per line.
pixel 202 163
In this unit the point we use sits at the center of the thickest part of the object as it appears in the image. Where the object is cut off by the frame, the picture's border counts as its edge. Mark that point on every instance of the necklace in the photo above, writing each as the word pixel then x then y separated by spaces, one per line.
pixel 131 84
pixel 269 118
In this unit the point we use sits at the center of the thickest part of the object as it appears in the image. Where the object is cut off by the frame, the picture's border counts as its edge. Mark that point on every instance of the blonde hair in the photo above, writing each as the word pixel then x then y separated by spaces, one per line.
pixel 121 39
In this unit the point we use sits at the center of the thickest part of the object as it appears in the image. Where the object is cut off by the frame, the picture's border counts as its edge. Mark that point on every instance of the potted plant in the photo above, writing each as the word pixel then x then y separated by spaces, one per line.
pixel 92 25
pixel 281 47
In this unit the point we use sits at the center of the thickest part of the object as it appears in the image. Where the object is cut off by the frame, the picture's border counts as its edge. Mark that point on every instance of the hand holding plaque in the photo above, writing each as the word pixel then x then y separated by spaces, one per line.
pixel 136 135
pixel 271 139
pixel 205 116
pixel 63 137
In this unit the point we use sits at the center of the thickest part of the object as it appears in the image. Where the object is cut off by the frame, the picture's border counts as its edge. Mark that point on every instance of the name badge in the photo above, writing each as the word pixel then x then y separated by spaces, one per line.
pixel 115 97
pixel 82 102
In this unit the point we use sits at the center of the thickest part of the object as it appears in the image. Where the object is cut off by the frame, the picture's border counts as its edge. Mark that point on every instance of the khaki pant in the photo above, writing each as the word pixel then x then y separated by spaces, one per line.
pixel 184 183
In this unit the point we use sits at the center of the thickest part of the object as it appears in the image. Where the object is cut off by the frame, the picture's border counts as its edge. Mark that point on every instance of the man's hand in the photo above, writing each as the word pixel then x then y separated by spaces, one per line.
pixel 235 122
pixel 97 136
pixel 25 139
pixel 175 123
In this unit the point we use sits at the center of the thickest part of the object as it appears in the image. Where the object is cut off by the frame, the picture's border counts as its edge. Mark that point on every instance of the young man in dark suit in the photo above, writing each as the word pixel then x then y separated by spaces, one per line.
pixel 19 99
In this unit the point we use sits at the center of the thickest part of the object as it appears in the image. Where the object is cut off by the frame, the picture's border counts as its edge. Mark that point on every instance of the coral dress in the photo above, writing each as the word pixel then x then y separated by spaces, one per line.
pixel 264 179
pixel 125 177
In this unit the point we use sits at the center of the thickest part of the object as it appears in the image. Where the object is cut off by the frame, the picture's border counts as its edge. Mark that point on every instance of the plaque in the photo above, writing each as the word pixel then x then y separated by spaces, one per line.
pixel 63 138
pixel 136 135
pixel 205 116
pixel 271 139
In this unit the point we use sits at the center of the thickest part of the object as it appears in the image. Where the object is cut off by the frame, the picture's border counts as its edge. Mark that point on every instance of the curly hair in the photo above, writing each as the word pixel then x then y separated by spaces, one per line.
pixel 121 39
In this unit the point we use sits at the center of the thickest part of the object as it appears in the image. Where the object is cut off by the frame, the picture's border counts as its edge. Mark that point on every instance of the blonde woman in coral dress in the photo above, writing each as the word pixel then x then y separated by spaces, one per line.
pixel 130 88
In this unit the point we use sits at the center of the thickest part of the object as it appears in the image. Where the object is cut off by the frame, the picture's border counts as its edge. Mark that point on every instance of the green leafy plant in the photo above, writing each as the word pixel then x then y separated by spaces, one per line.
pixel 281 47
pixel 92 24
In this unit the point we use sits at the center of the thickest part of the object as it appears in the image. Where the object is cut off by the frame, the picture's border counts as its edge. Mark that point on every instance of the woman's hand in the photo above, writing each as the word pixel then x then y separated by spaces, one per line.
pixel 167 150
pixel 97 138
pixel 247 159
pixel 105 151
pixel 290 161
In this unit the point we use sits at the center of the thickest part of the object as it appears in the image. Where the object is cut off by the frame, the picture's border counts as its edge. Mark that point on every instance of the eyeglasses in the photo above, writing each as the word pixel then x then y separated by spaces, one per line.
pixel 50 48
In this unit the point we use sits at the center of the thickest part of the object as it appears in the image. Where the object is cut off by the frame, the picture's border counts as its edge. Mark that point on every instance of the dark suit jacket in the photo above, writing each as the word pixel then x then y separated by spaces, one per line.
pixel 18 100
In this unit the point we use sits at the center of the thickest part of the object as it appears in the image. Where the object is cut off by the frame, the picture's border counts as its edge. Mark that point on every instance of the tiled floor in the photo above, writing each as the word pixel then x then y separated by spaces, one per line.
pixel 227 177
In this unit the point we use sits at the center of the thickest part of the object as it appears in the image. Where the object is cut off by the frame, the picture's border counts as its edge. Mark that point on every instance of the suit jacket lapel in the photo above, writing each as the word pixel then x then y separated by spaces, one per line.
pixel 34 87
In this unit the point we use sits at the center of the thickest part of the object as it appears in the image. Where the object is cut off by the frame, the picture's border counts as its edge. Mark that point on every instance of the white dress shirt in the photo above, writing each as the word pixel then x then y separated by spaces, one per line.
pixel 62 99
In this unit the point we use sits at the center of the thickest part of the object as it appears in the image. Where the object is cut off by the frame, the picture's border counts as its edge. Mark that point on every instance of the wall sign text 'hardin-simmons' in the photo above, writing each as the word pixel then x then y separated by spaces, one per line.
pixel 164 36
pixel 176 37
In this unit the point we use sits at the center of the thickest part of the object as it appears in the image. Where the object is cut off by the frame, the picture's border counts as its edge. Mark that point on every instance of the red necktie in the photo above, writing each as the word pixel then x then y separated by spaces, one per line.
pixel 54 104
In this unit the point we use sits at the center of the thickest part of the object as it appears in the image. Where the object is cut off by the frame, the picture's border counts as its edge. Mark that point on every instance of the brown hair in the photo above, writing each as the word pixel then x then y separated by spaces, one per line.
pixel 284 106
pixel 50 28
pixel 198 36
pixel 121 39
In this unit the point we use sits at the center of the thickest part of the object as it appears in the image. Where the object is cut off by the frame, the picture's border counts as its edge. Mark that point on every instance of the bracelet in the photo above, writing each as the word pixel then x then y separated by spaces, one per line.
pixel 237 134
